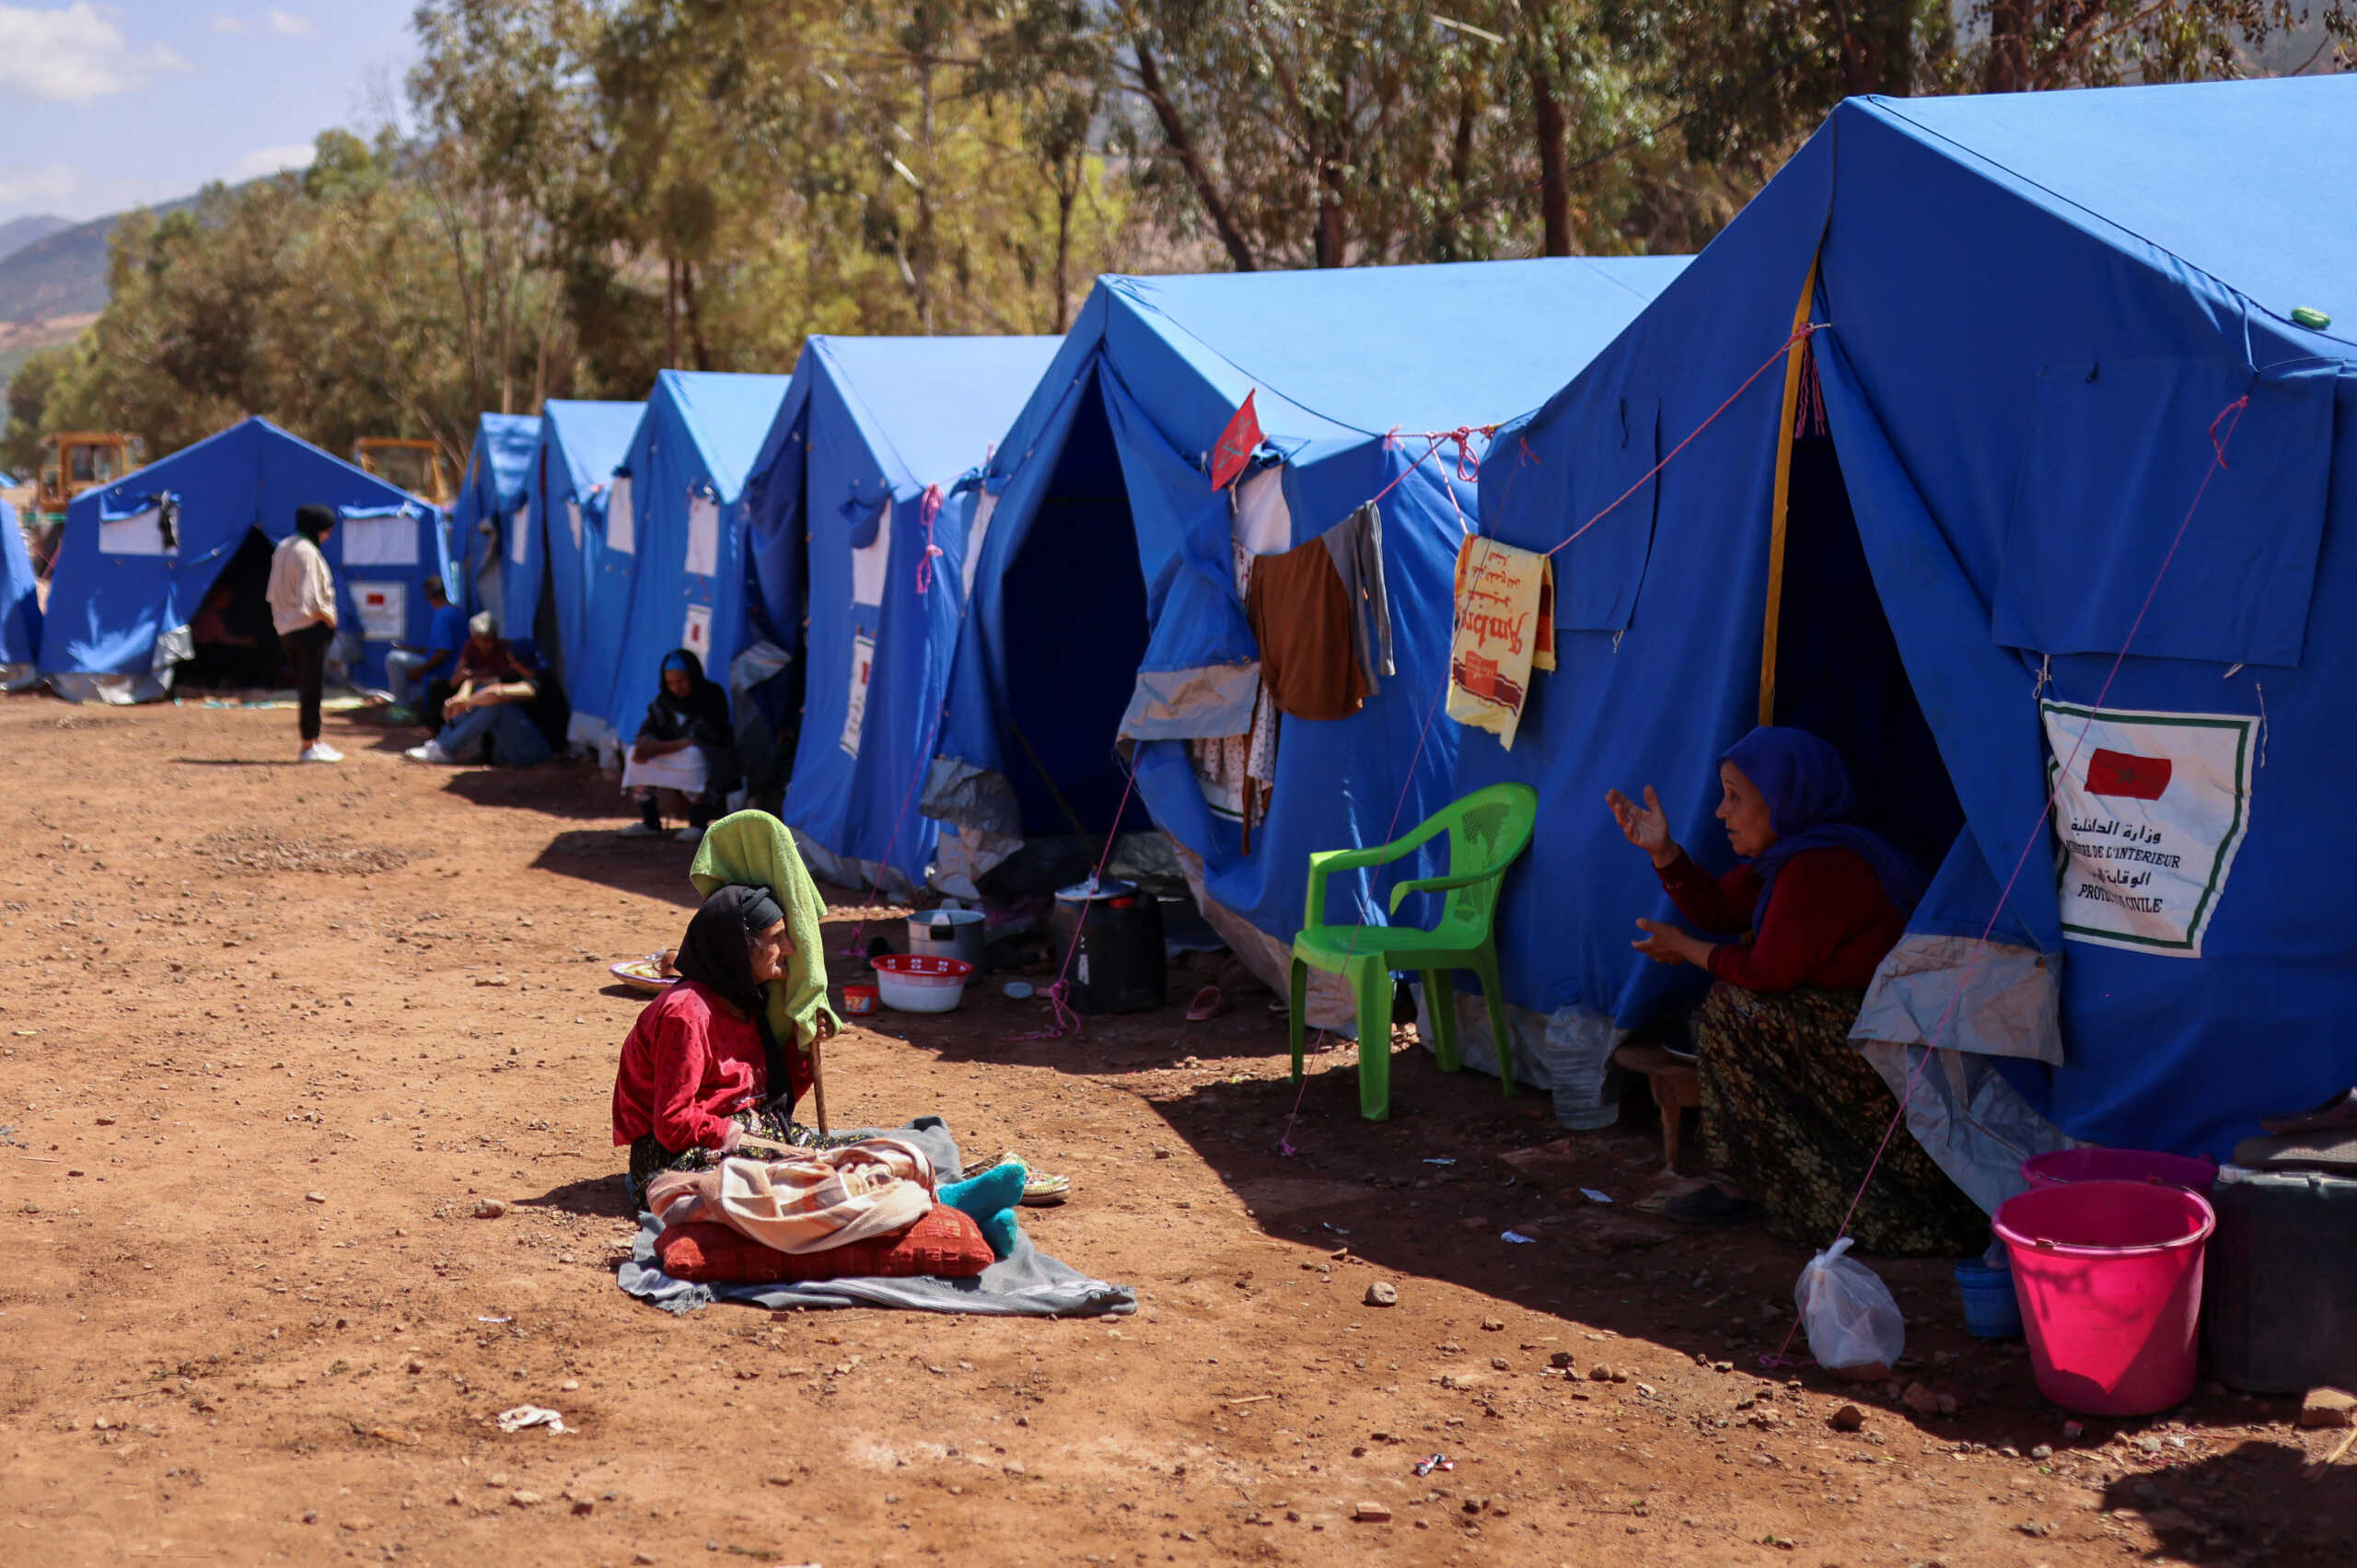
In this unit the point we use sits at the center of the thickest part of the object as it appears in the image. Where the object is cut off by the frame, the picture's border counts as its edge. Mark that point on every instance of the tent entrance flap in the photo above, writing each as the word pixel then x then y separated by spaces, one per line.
pixel 235 642
pixel 1838 673
pixel 1076 633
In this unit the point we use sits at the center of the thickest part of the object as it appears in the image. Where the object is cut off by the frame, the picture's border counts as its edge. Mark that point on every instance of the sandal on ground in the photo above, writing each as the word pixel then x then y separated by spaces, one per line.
pixel 1707 1205
pixel 1209 1004
pixel 1040 1190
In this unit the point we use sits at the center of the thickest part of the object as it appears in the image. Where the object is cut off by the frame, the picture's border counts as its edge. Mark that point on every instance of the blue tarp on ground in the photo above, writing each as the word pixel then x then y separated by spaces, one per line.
pixel 565 509
pixel 483 517
pixel 121 582
pixel 671 574
pixel 875 459
pixel 2034 307
pixel 1106 560
pixel 19 602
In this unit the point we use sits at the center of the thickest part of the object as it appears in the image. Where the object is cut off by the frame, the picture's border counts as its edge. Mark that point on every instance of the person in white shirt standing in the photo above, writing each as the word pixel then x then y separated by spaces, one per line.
pixel 302 605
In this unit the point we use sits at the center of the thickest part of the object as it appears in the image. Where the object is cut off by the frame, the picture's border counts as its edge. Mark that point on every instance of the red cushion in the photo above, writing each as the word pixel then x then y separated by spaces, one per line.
pixel 945 1243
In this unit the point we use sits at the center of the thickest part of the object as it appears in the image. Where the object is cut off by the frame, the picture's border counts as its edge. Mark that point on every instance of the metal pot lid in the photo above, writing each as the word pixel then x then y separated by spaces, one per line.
pixel 1092 890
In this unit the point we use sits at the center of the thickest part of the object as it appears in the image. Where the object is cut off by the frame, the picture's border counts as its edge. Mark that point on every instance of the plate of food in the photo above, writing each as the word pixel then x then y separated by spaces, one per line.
pixel 650 974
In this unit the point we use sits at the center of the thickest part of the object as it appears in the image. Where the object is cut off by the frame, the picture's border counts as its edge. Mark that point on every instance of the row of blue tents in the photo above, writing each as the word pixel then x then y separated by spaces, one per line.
pixel 1993 429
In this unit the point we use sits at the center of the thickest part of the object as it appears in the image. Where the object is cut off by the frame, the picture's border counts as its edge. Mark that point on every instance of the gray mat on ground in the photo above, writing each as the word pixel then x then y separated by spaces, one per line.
pixel 1026 1284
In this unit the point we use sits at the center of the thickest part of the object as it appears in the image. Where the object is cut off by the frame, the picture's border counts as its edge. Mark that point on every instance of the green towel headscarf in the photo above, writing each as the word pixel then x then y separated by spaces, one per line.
pixel 755 849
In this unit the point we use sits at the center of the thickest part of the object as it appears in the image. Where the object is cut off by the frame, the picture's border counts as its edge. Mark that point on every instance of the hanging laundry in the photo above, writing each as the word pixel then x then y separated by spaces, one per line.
pixel 1505 628
pixel 1237 772
pixel 1323 620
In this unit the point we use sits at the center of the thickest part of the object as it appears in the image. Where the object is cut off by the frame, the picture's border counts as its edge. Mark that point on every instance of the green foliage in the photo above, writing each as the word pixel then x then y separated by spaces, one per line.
pixel 596 189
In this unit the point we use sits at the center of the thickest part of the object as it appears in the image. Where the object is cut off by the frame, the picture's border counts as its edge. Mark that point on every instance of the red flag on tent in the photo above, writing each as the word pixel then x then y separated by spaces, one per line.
pixel 1237 444
pixel 2124 773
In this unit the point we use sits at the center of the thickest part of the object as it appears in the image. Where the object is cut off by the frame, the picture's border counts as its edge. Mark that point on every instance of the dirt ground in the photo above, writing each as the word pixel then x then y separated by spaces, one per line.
pixel 268 1033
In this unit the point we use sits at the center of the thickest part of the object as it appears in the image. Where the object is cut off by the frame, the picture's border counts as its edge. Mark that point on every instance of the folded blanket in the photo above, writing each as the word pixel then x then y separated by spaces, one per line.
pixel 809 1202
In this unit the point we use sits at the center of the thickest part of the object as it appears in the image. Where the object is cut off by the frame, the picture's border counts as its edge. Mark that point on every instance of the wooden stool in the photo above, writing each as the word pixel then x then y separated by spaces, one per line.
pixel 1676 1087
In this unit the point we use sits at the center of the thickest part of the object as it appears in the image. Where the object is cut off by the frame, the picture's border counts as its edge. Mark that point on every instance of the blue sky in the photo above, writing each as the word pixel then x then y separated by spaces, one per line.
pixel 106 105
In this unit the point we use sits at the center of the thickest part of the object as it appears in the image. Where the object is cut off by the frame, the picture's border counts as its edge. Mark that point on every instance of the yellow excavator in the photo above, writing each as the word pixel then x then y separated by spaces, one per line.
pixel 73 461
pixel 415 466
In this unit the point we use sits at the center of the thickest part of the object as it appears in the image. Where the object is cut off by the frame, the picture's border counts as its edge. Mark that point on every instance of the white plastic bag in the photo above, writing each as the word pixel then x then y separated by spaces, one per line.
pixel 1852 1322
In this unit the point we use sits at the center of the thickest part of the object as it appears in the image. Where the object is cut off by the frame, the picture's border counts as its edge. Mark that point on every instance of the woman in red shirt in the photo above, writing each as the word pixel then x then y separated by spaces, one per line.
pixel 701 1067
pixel 1792 1114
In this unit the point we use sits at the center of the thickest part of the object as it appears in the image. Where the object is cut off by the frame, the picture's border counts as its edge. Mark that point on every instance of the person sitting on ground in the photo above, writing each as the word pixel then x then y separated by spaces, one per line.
pixel 703 1067
pixel 685 755
pixel 1792 1115
pixel 408 670
pixel 487 709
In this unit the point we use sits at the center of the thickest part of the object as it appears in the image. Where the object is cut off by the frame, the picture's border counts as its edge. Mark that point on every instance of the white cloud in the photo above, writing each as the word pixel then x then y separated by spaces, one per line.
pixel 73 55
pixel 288 22
pixel 71 192
pixel 270 161
pixel 221 21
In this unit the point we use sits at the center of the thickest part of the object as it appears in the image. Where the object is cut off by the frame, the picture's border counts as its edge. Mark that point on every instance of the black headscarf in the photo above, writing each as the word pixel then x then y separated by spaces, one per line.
pixel 717 954
pixel 702 715
pixel 314 521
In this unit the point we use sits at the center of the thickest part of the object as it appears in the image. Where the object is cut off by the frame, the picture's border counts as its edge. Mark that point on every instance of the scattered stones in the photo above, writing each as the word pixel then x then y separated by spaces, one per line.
pixel 583 1507
pixel 315 1197
pixel 1475 1504
pixel 643 1558
pixel 2329 1407
pixel 1498 1363
pixel 1920 1400
pixel 1494 1325
pixel 1849 1418
pixel 1600 1373
pixel 1562 1358
pixel 1371 1514
pixel 490 1208
pixel 2149 1443
pixel 524 1499
pixel 2074 1430
pixel 2041 1452
pixel 1382 1293
pixel 106 1121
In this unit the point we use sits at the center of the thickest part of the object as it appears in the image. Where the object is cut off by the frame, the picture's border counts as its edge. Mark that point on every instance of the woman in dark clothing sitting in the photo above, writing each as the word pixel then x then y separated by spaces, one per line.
pixel 702 1066
pixel 685 753
pixel 1792 1112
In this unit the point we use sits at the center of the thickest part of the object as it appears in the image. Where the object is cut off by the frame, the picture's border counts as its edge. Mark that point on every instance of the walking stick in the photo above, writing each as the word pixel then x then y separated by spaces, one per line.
pixel 819 1081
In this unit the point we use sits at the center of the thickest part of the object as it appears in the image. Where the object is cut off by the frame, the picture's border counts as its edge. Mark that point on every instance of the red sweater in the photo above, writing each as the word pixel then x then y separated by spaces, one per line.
pixel 1829 921
pixel 689 1064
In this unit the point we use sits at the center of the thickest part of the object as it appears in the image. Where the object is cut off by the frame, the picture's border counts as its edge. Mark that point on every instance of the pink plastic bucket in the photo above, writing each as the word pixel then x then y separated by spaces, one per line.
pixel 2109 1275
pixel 2067 1166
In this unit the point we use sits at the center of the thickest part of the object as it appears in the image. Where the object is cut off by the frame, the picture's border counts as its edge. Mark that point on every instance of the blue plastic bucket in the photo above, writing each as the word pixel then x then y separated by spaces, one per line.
pixel 1992 1311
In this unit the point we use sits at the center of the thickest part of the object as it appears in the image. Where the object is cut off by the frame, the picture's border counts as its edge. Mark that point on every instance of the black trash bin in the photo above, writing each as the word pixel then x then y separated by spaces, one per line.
pixel 1118 965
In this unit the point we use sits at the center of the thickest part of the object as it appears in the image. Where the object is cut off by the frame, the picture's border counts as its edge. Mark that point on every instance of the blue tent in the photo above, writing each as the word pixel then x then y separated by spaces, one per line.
pixel 553 557
pixel 871 466
pixel 671 572
pixel 2014 447
pixel 139 556
pixel 1103 564
pixel 482 518
pixel 19 606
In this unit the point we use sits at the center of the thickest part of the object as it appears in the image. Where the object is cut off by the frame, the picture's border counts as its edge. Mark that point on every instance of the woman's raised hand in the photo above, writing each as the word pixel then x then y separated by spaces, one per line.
pixel 1646 826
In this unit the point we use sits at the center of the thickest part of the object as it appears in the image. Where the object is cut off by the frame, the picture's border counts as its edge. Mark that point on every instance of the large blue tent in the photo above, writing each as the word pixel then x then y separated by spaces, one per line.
pixel 671 572
pixel 856 513
pixel 19 606
pixel 1103 564
pixel 553 557
pixel 139 556
pixel 2072 391
pixel 482 518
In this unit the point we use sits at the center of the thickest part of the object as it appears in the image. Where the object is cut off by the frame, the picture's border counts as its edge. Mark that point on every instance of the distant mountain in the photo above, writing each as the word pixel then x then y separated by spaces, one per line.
pixel 17 233
pixel 63 273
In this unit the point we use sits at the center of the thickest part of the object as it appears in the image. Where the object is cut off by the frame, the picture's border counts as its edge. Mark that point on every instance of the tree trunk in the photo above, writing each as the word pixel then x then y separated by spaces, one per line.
pixel 670 310
pixel 1554 177
pixel 1065 193
pixel 1182 148
pixel 2007 67
pixel 694 317
pixel 923 258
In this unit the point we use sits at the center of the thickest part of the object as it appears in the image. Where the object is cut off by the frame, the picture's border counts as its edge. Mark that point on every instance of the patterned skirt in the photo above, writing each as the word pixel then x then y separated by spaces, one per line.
pixel 1793 1113
pixel 649 1159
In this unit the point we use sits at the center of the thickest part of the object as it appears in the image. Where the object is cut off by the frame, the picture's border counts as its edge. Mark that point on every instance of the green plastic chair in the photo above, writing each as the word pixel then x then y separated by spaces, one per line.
pixel 1486 831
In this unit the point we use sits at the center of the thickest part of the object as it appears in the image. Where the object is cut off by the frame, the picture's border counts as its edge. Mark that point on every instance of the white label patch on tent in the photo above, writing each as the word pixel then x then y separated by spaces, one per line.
pixel 2148 819
pixel 985 504
pixel 618 518
pixel 573 520
pixel 696 635
pixel 518 534
pixel 863 661
pixel 142 533
pixel 869 566
pixel 384 610
pixel 704 537
pixel 378 542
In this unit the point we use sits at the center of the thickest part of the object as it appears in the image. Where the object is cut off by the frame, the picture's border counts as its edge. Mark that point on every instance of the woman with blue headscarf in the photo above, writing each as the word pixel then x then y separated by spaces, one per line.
pixel 1792 1115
